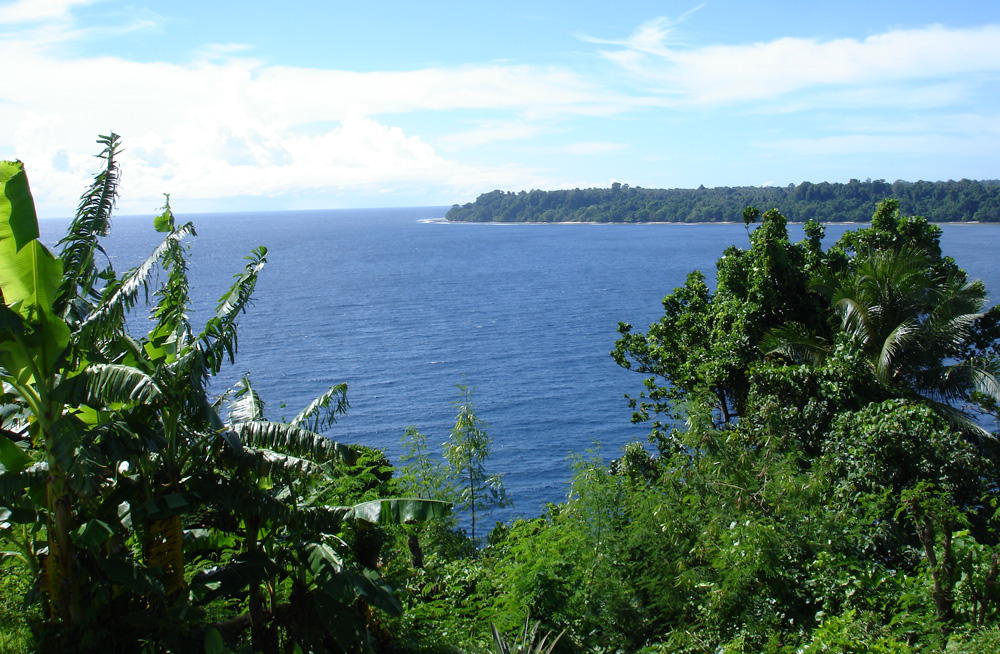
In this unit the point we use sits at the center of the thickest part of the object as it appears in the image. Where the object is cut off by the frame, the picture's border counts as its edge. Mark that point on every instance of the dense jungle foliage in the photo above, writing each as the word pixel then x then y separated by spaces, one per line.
pixel 951 201
pixel 138 512
pixel 821 474
pixel 819 482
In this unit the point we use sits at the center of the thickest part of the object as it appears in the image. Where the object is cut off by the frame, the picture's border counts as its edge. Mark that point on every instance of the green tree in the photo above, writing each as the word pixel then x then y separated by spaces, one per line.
pixel 467 450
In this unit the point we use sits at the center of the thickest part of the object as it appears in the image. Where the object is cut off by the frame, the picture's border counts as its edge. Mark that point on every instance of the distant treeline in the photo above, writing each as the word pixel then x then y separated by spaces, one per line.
pixel 961 201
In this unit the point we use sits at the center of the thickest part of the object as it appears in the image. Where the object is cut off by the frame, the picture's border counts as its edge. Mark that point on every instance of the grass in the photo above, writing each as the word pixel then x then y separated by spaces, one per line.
pixel 15 631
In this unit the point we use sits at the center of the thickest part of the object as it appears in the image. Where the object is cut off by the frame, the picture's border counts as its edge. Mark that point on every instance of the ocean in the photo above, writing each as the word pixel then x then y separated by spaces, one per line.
pixel 403 307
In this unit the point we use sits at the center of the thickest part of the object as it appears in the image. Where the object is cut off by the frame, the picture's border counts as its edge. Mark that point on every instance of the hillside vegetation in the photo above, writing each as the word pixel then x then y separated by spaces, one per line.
pixel 961 201
pixel 821 473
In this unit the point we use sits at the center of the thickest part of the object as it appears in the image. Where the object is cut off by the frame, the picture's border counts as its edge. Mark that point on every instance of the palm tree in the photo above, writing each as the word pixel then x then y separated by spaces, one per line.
pixel 911 324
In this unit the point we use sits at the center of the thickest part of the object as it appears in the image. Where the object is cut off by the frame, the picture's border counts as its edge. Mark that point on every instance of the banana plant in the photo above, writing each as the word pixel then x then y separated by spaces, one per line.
pixel 276 479
pixel 53 459
pixel 117 471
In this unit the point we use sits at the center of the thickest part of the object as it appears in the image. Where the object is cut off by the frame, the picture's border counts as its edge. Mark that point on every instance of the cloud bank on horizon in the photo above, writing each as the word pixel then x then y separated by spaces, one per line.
pixel 235 125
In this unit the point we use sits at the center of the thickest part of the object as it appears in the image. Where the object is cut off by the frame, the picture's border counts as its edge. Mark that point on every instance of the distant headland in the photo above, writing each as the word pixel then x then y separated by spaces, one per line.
pixel 951 201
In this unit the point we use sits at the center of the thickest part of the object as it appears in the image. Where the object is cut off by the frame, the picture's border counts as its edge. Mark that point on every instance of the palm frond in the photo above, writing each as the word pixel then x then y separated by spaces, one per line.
pixel 986 382
pixel 92 221
pixel 854 318
pixel 895 342
pixel 796 342
pixel 323 411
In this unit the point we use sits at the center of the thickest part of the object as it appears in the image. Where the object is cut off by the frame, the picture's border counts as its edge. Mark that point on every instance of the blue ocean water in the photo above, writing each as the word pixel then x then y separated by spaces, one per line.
pixel 402 307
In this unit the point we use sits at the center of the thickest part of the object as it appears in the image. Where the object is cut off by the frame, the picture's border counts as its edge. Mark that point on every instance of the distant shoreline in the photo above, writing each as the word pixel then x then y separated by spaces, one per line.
pixel 711 222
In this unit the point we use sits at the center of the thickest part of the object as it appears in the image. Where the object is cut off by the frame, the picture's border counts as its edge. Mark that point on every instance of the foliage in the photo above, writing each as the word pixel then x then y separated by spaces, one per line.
pixel 135 508
pixel 16 619
pixel 466 451
pixel 526 643
pixel 812 489
pixel 951 201
pixel 817 483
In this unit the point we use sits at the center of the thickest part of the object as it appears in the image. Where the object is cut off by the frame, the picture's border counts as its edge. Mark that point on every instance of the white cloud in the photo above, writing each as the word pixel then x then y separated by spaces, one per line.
pixel 494 132
pixel 23 11
pixel 724 74
pixel 228 125
pixel 650 37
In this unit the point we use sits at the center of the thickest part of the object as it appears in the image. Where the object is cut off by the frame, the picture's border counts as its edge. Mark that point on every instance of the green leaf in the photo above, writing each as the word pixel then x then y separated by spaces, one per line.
pixel 399 511
pixel 29 276
pixel 213 641
pixel 165 221
pixel 92 221
pixel 92 533
pixel 135 577
pixel 295 441
pixel 104 384
pixel 229 580
pixel 12 457
pixel 323 411
pixel 17 209
pixel 323 560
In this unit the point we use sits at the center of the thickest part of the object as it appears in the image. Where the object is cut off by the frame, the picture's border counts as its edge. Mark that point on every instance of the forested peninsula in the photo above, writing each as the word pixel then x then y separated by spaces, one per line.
pixel 961 201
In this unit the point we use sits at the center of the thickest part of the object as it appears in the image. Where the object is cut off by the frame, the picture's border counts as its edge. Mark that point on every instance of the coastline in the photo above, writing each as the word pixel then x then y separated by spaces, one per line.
pixel 445 221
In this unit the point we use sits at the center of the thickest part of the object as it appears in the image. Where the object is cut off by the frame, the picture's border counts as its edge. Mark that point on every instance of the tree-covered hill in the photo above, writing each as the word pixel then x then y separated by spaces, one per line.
pixel 950 201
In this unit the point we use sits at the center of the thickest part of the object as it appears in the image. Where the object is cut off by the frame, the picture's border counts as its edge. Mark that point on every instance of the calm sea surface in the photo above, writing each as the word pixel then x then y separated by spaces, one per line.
pixel 403 307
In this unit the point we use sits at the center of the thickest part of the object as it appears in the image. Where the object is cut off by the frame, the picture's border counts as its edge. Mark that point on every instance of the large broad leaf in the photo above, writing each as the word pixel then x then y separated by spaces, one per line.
pixel 17 209
pixel 29 277
pixel 245 405
pixel 399 511
pixel 12 458
pixel 92 533
pixel 296 441
pixel 231 579
pixel 29 274
pixel 106 384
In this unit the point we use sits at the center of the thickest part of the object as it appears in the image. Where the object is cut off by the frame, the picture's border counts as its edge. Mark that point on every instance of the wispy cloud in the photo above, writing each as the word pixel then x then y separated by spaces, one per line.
pixel 27 11
pixel 491 132
pixel 593 148
pixel 754 72
pixel 651 37
pixel 900 144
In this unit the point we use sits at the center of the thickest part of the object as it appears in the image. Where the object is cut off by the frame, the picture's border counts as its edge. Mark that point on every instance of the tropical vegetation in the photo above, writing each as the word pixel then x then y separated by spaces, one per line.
pixel 962 201
pixel 145 513
pixel 821 472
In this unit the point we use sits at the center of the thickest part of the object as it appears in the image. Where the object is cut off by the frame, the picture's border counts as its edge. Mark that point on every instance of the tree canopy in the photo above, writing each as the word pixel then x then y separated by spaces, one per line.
pixel 951 201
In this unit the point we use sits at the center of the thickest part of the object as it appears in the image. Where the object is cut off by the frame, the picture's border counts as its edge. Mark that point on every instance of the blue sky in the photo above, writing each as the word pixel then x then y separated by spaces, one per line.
pixel 304 105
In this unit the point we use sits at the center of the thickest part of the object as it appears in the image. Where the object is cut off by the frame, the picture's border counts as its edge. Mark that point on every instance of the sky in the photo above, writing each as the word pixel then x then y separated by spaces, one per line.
pixel 242 106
